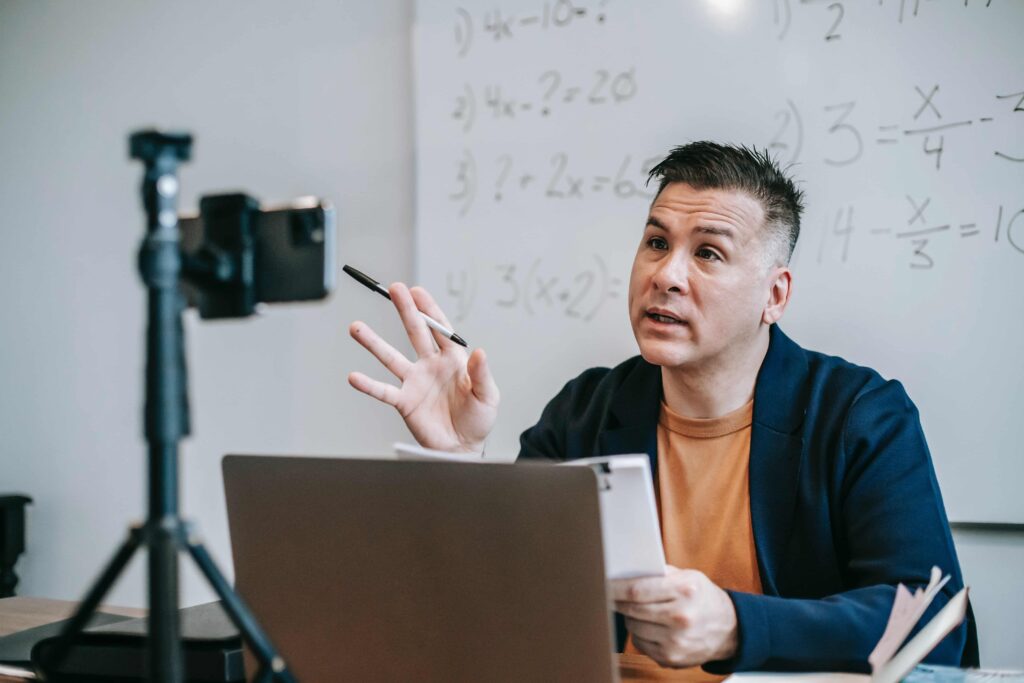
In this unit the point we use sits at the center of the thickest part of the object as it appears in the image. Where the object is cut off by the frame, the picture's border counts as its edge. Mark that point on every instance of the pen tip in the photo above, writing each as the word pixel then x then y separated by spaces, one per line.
pixel 459 340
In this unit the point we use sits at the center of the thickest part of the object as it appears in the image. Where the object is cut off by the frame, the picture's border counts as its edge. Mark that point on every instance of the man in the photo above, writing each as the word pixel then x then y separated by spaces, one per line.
pixel 795 489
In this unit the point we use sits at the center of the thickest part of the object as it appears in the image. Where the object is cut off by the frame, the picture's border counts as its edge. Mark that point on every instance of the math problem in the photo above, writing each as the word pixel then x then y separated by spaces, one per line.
pixel 537 287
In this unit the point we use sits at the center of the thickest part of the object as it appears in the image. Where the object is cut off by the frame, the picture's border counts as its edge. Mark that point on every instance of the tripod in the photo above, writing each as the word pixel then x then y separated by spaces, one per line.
pixel 164 533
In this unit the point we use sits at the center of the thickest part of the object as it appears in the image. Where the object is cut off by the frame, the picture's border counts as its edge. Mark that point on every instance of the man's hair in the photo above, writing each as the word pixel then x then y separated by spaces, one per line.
pixel 710 165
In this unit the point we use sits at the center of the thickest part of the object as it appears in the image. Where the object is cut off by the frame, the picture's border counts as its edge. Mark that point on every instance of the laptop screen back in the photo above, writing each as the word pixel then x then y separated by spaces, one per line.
pixel 376 570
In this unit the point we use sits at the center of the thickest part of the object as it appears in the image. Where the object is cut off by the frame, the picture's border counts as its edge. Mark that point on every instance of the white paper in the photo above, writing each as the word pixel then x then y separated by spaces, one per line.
pixel 629 515
pixel 756 677
pixel 16 672
pixel 408 451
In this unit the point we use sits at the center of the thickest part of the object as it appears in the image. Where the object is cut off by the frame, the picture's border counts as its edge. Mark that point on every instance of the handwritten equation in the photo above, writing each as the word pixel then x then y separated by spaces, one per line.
pixel 933 126
pixel 499 26
pixel 496 26
pixel 1005 227
pixel 554 91
pixel 560 181
pixel 536 288
pixel 834 13
pixel 847 137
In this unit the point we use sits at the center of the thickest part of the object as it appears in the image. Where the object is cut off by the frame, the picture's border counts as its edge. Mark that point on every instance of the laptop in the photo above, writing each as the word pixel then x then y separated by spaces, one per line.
pixel 377 570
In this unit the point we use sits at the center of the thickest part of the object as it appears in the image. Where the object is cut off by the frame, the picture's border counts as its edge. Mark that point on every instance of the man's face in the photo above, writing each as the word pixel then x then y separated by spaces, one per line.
pixel 700 283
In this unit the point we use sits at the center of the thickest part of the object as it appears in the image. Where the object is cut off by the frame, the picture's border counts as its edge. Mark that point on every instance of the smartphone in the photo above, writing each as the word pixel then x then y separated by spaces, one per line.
pixel 276 254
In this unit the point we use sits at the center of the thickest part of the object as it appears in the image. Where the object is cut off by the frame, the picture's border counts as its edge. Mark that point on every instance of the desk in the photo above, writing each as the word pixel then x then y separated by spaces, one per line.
pixel 18 614
pixel 640 669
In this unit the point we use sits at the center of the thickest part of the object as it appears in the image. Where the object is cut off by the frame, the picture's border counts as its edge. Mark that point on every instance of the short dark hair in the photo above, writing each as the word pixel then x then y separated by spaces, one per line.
pixel 711 165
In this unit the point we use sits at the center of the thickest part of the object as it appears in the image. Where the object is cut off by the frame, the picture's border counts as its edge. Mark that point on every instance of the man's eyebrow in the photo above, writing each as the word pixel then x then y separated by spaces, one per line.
pixel 655 223
pixel 711 230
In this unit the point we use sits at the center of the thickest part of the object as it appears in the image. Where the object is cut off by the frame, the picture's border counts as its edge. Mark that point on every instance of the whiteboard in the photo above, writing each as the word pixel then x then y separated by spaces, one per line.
pixel 904 120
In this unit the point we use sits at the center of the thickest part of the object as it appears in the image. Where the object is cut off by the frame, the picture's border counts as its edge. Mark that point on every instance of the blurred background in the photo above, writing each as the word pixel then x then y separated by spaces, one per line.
pixel 284 99
pixel 328 112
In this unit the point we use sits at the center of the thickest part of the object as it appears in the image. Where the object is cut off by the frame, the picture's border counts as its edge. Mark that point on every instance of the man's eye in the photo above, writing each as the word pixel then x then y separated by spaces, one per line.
pixel 657 243
pixel 708 254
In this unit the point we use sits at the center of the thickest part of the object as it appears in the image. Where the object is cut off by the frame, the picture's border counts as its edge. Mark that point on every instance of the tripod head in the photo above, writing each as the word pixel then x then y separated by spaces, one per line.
pixel 150 145
pixel 161 153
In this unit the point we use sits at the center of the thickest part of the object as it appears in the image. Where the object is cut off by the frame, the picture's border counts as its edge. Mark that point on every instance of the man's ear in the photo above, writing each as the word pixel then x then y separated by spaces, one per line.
pixel 780 286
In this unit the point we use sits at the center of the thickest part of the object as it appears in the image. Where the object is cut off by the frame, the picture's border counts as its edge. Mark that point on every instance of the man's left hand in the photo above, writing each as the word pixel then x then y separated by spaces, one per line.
pixel 678 620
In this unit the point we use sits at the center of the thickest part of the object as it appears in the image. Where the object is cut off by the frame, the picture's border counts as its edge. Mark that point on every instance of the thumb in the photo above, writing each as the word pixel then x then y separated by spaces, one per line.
pixel 481 380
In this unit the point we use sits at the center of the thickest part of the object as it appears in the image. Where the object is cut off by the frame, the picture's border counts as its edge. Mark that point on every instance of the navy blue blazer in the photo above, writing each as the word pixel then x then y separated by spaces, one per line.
pixel 843 500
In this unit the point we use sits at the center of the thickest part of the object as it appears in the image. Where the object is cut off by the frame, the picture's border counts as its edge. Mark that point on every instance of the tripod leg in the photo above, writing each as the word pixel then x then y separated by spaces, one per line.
pixel 164 652
pixel 92 600
pixel 272 665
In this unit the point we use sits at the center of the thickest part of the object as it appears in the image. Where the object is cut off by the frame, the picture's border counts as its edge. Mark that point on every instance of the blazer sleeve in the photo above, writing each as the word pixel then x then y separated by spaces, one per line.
pixel 893 530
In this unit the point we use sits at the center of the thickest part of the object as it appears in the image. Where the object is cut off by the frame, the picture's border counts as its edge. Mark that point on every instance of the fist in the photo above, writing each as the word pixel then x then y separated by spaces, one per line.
pixel 680 619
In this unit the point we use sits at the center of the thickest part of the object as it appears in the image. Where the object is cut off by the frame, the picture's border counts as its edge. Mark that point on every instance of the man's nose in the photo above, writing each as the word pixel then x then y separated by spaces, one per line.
pixel 671 275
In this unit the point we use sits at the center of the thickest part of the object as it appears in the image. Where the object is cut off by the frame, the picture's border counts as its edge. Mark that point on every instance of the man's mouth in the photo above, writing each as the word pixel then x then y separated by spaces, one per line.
pixel 663 317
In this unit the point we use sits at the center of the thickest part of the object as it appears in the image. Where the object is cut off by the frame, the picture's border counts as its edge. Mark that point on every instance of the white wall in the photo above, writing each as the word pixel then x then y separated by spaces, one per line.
pixel 993 564
pixel 284 99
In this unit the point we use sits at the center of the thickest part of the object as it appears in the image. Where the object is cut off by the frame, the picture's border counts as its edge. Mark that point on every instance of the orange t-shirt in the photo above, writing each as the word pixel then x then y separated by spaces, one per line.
pixel 703 492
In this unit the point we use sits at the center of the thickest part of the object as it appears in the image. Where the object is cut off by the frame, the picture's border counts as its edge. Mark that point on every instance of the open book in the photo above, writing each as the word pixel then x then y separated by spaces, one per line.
pixel 888 665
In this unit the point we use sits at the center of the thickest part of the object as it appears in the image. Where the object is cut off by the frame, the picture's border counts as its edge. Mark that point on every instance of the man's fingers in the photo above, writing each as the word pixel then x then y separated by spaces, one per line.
pixel 379 390
pixel 392 359
pixel 484 387
pixel 654 612
pixel 437 314
pixel 425 302
pixel 656 642
pixel 650 648
pixel 645 630
pixel 415 325
pixel 647 589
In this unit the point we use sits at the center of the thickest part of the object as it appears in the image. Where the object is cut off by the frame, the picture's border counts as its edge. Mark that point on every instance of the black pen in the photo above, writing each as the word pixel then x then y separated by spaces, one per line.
pixel 365 279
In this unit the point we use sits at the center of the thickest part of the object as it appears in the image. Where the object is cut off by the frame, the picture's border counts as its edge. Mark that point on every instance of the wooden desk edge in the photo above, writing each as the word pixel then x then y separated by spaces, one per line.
pixel 20 613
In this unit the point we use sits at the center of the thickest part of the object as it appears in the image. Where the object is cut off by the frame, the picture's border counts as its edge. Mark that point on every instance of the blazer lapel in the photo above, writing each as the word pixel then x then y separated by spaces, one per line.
pixel 634 415
pixel 780 402
pixel 633 428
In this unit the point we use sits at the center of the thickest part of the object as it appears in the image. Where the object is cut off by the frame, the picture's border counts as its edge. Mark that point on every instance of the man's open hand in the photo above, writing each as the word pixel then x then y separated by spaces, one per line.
pixel 447 398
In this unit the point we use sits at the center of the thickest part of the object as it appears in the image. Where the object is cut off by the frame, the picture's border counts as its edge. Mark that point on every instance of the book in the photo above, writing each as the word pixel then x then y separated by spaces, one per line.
pixel 889 662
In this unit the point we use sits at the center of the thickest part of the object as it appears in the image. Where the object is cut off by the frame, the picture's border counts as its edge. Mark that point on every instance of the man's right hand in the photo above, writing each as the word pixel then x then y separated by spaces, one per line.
pixel 448 399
